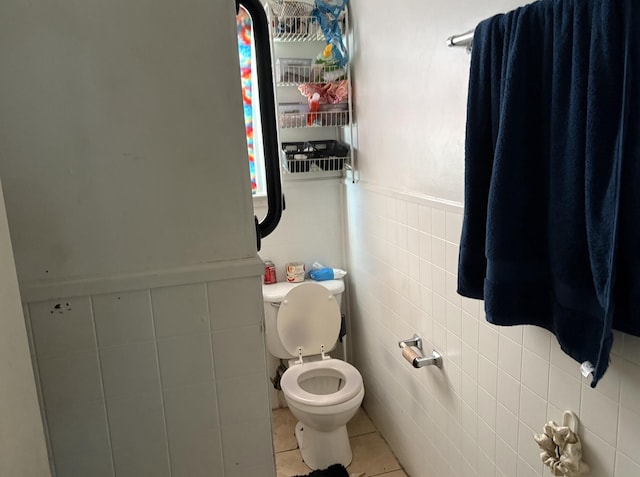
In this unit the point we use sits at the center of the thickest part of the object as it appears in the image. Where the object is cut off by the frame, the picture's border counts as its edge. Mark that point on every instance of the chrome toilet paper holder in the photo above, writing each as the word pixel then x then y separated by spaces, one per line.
pixel 416 342
pixel 414 358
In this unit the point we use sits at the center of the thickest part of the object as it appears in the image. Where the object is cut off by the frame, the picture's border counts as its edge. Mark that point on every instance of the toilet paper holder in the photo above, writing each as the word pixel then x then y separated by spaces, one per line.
pixel 414 358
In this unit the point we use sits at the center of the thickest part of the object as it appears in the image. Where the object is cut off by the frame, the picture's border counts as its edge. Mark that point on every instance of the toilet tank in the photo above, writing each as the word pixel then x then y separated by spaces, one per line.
pixel 273 295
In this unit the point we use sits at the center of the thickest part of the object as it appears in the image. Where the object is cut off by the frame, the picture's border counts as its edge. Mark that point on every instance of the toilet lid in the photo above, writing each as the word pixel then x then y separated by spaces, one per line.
pixel 309 317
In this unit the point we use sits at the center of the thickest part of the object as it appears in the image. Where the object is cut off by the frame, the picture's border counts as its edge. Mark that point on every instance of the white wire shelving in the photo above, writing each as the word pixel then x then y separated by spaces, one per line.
pixel 292 22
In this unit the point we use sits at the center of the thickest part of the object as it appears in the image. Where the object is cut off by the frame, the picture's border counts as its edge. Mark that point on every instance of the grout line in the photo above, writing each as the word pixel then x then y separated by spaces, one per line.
pixel 104 396
pixel 162 403
pixel 213 369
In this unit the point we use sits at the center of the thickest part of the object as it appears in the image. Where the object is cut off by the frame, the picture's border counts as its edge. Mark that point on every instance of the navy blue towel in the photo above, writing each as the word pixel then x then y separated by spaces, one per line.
pixel 551 229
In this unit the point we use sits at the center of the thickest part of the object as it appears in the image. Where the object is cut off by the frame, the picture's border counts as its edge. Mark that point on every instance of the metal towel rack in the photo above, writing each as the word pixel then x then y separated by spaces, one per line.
pixel 463 39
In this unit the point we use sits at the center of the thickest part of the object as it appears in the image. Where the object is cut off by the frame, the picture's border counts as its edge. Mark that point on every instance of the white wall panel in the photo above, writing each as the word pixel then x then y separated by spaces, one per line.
pixel 167 399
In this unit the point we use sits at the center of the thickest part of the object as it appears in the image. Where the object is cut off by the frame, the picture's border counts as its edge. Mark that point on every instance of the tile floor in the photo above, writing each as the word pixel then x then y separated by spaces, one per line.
pixel 371 454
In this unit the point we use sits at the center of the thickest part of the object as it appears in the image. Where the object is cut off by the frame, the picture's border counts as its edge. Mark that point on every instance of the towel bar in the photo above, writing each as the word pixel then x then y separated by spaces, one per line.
pixel 464 39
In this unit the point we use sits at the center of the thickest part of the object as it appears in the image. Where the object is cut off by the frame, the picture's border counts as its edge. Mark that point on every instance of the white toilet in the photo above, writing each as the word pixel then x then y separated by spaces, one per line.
pixel 302 323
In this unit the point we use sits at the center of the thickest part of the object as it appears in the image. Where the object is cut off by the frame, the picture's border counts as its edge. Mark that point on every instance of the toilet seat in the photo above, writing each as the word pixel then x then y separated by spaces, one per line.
pixel 290 382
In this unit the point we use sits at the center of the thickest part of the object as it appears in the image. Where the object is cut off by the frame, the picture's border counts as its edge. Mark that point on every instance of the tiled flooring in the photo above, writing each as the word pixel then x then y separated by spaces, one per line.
pixel 371 454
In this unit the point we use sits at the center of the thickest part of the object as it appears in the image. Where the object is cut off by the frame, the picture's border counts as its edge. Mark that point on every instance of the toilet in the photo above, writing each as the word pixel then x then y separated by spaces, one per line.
pixel 302 324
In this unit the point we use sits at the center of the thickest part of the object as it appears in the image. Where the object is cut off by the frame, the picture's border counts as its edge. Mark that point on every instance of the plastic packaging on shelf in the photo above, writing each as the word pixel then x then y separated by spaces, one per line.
pixel 325 58
pixel 326 68
pixel 333 93
pixel 329 13
pixel 326 274
pixel 320 273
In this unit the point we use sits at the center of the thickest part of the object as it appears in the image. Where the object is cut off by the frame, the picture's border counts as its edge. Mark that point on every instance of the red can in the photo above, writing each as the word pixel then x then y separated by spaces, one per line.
pixel 269 272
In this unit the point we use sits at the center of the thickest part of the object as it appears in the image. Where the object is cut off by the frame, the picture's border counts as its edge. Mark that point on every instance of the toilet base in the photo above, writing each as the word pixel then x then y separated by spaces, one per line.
pixel 321 449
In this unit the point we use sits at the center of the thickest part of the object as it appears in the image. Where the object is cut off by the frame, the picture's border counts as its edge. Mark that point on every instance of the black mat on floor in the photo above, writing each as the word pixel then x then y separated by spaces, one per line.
pixel 336 470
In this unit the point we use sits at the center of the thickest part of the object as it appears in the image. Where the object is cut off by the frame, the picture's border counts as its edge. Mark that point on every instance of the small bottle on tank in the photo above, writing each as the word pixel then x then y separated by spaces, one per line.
pixel 269 272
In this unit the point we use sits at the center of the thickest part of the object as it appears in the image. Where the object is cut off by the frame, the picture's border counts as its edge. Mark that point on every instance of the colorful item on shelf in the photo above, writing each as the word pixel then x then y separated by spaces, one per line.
pixel 325 67
pixel 332 93
pixel 245 32
pixel 329 13
pixel 314 105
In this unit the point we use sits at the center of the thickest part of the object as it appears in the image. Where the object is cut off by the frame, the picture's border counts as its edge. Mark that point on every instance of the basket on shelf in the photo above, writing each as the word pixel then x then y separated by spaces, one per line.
pixel 291 8
pixel 327 155
pixel 292 17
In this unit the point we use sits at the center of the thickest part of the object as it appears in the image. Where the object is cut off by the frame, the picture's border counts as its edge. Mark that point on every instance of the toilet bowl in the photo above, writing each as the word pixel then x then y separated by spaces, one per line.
pixel 322 393
pixel 323 396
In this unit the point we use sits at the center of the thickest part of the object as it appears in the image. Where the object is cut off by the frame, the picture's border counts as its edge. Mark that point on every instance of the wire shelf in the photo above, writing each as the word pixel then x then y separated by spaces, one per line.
pixel 290 74
pixel 292 21
pixel 296 28
pixel 328 165
pixel 315 156
pixel 318 119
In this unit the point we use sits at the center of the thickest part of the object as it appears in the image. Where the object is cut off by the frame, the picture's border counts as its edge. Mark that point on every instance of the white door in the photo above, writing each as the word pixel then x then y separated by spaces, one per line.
pixel 22 444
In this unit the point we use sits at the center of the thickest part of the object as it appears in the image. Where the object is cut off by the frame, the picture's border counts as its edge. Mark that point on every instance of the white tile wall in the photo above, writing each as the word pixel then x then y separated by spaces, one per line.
pixel 167 382
pixel 499 385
